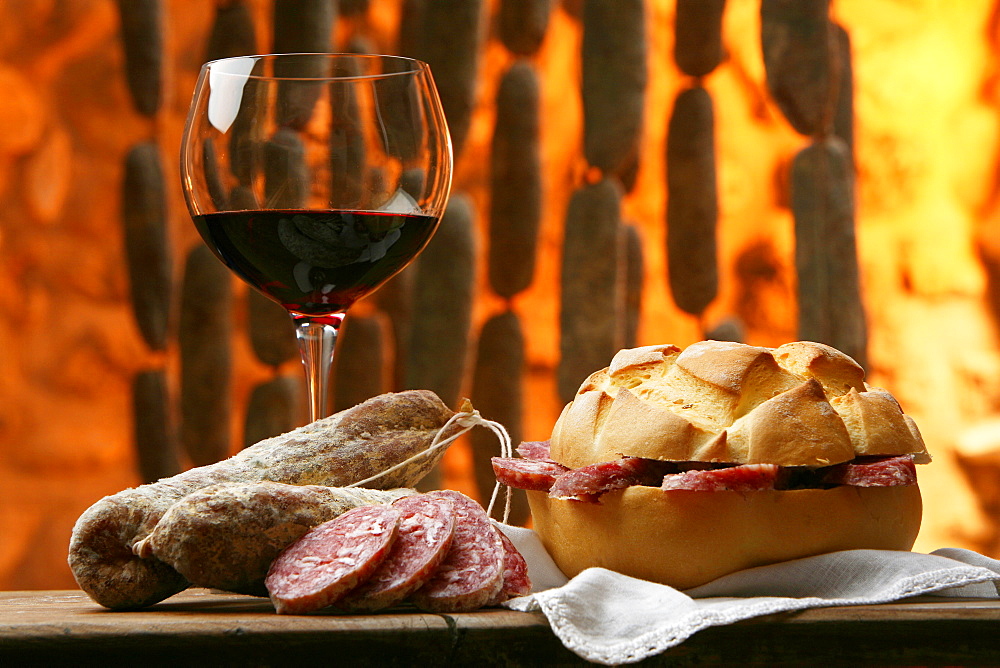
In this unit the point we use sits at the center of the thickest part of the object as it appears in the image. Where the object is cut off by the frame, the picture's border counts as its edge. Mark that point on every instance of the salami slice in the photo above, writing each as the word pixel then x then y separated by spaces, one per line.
pixel 534 450
pixel 878 472
pixel 533 474
pixel 471 574
pixel 515 572
pixel 331 559
pixel 588 483
pixel 742 478
pixel 426 529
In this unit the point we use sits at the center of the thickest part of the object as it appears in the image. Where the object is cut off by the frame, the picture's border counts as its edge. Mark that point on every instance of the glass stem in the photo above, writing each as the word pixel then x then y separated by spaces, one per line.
pixel 317 340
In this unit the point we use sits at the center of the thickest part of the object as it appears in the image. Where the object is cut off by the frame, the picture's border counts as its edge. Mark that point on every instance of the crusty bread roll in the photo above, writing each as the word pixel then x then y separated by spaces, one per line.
pixel 802 404
pixel 685 539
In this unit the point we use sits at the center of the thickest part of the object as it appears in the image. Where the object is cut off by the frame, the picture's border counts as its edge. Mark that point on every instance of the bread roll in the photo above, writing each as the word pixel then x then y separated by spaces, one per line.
pixel 686 539
pixel 802 404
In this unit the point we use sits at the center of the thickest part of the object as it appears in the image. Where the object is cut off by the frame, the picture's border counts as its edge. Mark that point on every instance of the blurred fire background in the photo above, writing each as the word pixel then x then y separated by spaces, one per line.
pixel 563 114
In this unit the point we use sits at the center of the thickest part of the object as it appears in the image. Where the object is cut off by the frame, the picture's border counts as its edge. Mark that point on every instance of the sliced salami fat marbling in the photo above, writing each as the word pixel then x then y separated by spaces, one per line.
pixel 331 559
pixel 874 472
pixel 743 478
pixel 531 474
pixel 471 574
pixel 535 450
pixel 588 483
pixel 515 572
pixel 426 529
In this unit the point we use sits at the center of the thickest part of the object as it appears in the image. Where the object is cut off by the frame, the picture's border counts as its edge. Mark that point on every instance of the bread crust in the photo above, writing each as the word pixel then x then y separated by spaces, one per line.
pixel 801 404
pixel 685 539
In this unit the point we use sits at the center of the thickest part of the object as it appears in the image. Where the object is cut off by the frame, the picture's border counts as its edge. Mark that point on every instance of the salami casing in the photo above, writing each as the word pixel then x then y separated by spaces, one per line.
pixel 331 559
pixel 471 574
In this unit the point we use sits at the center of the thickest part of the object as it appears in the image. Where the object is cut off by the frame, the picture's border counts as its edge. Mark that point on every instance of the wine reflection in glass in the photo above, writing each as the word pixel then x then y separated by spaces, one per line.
pixel 315 178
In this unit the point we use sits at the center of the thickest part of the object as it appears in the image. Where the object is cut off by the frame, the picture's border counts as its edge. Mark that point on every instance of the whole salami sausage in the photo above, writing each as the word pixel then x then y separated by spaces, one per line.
pixel 331 559
pixel 451 40
pixel 471 574
pixel 359 367
pixel 613 63
pixel 206 356
pixel 515 182
pixel 692 202
pixel 698 36
pixel 591 310
pixel 426 529
pixel 232 33
pixel 344 448
pixel 147 248
pixel 271 331
pixel 301 26
pixel 142 39
pixel 497 389
pixel 226 536
pixel 274 408
pixel 831 309
pixel 155 434
pixel 799 48
pixel 521 24
pixel 444 292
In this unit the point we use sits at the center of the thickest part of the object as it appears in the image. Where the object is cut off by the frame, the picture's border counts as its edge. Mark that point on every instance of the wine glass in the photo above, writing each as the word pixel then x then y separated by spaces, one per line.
pixel 316 178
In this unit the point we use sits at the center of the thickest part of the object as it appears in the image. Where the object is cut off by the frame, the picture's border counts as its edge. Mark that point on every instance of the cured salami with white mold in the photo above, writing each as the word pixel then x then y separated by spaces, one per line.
pixel 342 449
pixel 226 536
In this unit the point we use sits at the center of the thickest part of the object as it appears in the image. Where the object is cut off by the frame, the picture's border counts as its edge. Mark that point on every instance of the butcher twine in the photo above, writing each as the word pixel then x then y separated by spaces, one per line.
pixel 468 417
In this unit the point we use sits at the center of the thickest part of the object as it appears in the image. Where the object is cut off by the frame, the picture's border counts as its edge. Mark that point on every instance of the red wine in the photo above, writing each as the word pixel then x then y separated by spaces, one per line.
pixel 315 262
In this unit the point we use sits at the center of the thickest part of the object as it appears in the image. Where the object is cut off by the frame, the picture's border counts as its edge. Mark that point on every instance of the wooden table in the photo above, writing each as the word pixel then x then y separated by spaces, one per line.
pixel 200 627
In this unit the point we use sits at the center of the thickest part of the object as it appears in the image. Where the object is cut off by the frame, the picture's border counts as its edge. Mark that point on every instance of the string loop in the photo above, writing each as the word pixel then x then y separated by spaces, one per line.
pixel 467 418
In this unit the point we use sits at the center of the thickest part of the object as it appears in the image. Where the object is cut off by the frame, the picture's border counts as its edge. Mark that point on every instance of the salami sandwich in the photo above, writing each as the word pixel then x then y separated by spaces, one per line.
pixel 682 466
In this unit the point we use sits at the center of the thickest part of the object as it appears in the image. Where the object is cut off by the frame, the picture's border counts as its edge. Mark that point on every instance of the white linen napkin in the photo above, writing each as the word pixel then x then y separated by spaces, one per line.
pixel 609 618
